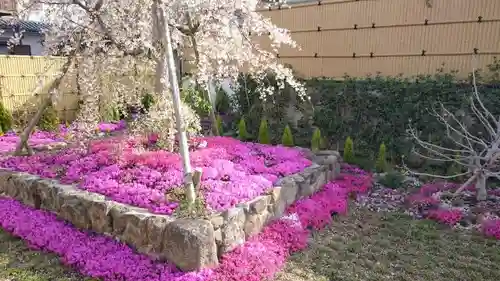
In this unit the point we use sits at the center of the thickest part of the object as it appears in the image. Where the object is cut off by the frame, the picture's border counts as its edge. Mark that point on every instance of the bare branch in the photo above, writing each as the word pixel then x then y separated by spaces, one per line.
pixel 479 155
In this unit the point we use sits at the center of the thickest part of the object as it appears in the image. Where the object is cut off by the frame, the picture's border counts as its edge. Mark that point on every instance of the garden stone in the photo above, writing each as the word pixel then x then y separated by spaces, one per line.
pixel 47 192
pixel 5 181
pixel 277 206
pixel 73 210
pixel 99 213
pixel 305 188
pixel 255 222
pixel 289 189
pixel 190 244
pixel 218 239
pixel 135 230
pixel 26 189
pixel 232 229
pixel 458 202
pixel 493 199
pixel 217 221
pixel 259 204
pixel 118 218
pixel 96 207
pixel 445 195
pixel 155 232
pixel 328 153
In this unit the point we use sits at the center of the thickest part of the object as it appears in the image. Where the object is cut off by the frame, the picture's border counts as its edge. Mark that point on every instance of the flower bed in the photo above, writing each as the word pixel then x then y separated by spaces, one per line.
pixel 259 258
pixel 436 201
pixel 42 140
pixel 237 185
pixel 39 140
pixel 233 172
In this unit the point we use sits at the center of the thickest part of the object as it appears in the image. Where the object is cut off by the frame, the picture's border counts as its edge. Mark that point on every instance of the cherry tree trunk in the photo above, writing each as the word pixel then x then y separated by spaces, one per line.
pixel 481 193
pixel 23 138
pixel 207 94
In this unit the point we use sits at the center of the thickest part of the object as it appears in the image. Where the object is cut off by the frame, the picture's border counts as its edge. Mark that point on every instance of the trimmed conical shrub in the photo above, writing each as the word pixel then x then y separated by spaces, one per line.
pixel 349 150
pixel 381 164
pixel 264 132
pixel 287 138
pixel 5 119
pixel 219 125
pixel 316 140
pixel 242 130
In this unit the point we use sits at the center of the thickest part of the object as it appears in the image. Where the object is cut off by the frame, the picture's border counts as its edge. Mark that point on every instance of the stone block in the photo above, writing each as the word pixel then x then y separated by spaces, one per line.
pixel 290 187
pixel 155 235
pixel 118 217
pixel 47 192
pixel 135 231
pixel 190 244
pixel 5 176
pixel 217 221
pixel 232 229
pixel 255 222
pixel 22 187
pixel 73 208
pixel 259 204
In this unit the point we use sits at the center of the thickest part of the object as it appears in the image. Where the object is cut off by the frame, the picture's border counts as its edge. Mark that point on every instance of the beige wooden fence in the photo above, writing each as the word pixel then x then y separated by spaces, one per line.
pixel 21 75
pixel 360 37
pixel 354 37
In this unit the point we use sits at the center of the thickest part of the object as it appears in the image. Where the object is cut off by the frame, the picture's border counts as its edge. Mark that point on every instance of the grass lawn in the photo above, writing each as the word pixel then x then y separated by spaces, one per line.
pixel 18 263
pixel 360 247
pixel 367 246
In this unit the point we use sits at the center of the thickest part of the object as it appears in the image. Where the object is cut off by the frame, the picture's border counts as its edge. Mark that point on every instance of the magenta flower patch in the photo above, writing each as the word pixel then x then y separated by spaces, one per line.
pixel 233 171
pixel 102 257
pixel 8 142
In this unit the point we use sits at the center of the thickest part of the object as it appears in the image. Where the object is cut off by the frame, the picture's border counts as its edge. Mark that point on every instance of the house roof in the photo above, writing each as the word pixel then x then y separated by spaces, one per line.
pixel 28 26
pixel 4 13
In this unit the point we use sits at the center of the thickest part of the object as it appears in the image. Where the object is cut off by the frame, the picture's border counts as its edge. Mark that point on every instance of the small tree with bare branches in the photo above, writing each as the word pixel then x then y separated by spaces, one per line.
pixel 477 153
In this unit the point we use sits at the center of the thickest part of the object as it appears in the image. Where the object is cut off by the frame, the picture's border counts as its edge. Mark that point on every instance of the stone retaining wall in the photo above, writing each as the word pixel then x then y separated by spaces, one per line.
pixel 190 244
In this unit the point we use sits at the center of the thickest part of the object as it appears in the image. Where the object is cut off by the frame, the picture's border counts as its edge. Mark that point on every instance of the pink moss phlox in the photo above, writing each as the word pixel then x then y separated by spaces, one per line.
pixel 234 171
pixel 108 127
pixel 8 142
pixel 102 257
pixel 491 228
pixel 426 198
pixel 446 216
pixel 418 201
pixel 352 169
pixel 263 255
pixel 93 255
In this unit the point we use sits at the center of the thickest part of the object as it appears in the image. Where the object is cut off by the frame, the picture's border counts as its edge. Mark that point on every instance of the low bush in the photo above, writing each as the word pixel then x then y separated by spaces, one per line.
pixel 349 151
pixel 392 179
pixel 220 125
pixel 316 140
pixel 381 164
pixel 264 137
pixel 5 119
pixel 242 130
pixel 49 120
pixel 287 138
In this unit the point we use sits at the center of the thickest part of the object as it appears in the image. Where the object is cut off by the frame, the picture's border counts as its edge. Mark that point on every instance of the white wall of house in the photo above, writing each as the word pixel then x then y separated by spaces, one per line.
pixel 30 38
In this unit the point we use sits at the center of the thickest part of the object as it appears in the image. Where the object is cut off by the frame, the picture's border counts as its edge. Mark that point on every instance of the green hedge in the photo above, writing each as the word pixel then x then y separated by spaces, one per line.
pixel 379 110
pixel 371 110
